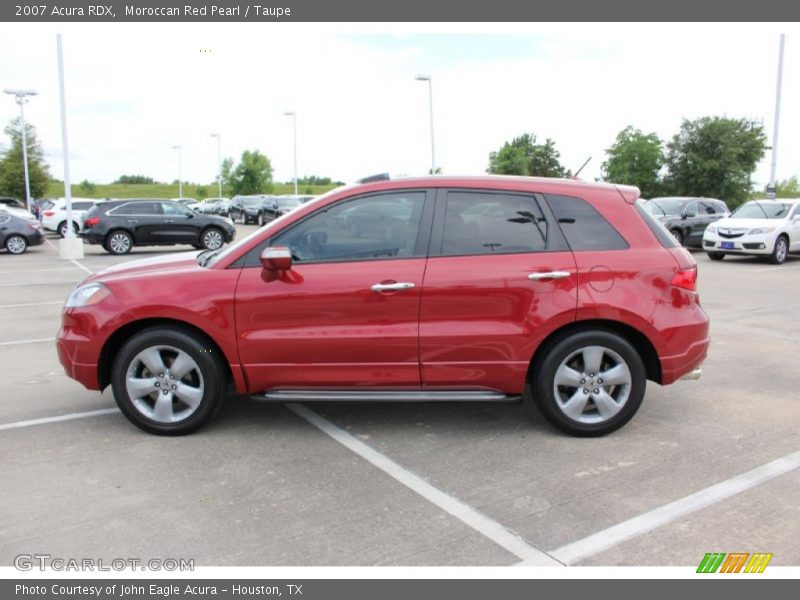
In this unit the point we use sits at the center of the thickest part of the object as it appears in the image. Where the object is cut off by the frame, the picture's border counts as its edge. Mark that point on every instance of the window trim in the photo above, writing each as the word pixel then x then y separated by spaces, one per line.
pixel 421 246
pixel 555 241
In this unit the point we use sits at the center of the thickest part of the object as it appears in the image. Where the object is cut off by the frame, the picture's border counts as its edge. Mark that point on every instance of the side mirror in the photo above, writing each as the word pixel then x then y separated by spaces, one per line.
pixel 277 258
pixel 689 215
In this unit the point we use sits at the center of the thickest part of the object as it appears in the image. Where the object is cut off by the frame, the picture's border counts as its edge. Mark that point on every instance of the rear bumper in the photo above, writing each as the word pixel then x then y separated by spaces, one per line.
pixel 684 365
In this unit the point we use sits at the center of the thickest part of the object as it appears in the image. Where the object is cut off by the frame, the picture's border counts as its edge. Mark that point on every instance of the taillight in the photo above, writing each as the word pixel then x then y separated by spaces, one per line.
pixel 686 279
pixel 49 213
pixel 91 221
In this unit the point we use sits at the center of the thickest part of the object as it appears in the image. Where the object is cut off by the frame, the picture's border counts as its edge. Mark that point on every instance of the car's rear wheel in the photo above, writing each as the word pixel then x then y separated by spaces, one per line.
pixel 168 381
pixel 119 242
pixel 212 238
pixel 16 244
pixel 62 228
pixel 589 383
pixel 780 251
pixel 716 255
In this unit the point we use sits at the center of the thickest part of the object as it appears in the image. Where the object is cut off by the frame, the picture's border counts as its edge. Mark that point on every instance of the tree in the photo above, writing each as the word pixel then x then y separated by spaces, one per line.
pixel 715 157
pixel 12 172
pixel 201 192
pixel 253 174
pixel 128 179
pixel 788 188
pixel 523 156
pixel 87 187
pixel 636 159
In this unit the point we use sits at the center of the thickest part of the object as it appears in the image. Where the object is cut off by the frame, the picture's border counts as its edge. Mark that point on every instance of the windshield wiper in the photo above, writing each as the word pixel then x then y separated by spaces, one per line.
pixel 206 255
pixel 758 204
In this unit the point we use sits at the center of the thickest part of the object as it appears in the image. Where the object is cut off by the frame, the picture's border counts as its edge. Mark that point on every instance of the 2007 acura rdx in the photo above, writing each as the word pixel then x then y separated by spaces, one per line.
pixel 563 294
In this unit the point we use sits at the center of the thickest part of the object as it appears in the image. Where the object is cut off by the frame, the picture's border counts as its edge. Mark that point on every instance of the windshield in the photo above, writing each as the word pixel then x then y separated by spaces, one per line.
pixel 762 209
pixel 252 202
pixel 665 206
pixel 288 202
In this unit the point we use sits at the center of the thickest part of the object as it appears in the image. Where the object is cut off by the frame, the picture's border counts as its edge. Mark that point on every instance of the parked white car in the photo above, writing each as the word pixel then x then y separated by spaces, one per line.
pixel 54 218
pixel 762 227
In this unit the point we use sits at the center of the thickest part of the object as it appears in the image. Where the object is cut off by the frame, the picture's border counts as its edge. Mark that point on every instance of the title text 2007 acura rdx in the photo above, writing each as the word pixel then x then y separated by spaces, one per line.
pixel 565 295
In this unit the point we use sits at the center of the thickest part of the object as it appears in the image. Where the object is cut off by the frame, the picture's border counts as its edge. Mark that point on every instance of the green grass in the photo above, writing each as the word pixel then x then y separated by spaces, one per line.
pixel 166 190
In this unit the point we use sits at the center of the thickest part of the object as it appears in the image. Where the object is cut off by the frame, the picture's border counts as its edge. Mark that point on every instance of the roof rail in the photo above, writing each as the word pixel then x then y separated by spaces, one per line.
pixel 371 178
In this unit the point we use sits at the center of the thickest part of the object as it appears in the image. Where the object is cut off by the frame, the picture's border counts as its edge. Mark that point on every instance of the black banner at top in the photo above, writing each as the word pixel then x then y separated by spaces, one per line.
pixel 395 10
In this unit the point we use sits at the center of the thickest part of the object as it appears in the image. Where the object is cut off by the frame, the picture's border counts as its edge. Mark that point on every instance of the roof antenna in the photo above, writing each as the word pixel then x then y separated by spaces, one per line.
pixel 578 172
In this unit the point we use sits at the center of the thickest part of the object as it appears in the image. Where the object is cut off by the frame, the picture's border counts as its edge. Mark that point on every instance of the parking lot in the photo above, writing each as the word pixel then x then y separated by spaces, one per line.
pixel 424 484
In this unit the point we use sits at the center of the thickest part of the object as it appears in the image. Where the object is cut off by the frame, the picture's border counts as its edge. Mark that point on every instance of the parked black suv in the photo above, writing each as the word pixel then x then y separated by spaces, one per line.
pixel 687 218
pixel 245 209
pixel 276 206
pixel 118 225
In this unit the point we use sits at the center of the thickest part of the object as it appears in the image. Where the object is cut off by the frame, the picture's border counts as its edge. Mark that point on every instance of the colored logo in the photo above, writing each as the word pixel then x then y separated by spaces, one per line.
pixel 734 562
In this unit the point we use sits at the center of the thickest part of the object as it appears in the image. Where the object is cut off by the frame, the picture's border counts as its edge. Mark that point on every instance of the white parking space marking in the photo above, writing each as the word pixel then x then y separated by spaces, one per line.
pixel 34 341
pixel 622 532
pixel 31 304
pixel 72 260
pixel 463 512
pixel 777 268
pixel 17 271
pixel 58 419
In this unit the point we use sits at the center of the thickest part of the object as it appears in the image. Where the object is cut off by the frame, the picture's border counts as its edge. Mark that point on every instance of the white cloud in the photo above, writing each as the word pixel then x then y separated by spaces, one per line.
pixel 135 90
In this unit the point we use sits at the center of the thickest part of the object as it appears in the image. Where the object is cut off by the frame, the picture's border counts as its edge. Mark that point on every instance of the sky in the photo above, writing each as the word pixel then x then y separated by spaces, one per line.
pixel 134 91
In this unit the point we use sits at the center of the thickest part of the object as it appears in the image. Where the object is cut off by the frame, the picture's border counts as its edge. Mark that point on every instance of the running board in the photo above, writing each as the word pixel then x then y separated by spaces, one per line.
pixel 385 396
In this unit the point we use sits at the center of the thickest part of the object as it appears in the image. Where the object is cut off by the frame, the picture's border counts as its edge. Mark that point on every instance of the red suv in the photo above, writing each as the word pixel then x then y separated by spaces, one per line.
pixel 565 295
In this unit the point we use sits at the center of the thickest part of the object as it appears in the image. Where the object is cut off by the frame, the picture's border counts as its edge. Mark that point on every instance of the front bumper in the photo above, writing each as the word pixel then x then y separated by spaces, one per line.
pixel 746 244
pixel 73 352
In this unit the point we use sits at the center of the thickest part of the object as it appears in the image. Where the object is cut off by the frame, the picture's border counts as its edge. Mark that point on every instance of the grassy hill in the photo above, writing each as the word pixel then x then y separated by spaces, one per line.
pixel 166 190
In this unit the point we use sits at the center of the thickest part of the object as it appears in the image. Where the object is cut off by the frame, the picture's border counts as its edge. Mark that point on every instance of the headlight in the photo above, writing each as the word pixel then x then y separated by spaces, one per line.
pixel 761 230
pixel 711 229
pixel 86 295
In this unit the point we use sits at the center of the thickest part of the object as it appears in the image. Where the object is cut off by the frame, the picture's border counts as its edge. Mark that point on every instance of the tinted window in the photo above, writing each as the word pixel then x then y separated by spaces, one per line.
pixel 484 223
pixel 174 210
pixel 381 226
pixel 138 208
pixel 692 209
pixel 583 226
pixel 706 208
pixel 82 205
pixel 657 227
pixel 720 207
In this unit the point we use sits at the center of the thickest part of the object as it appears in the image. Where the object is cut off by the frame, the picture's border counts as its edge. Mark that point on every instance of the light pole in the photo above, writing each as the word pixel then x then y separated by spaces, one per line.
pixel 21 97
pixel 430 101
pixel 291 113
pixel 219 162
pixel 771 189
pixel 180 172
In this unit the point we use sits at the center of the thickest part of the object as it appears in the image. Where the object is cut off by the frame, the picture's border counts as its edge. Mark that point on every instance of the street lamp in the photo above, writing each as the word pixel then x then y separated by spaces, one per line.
pixel 430 101
pixel 774 162
pixel 219 162
pixel 180 172
pixel 291 113
pixel 21 97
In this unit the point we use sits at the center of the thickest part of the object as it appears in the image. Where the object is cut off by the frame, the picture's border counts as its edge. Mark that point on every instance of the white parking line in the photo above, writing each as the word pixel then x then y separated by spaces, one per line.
pixel 463 512
pixel 776 268
pixel 72 260
pixel 33 341
pixel 622 532
pixel 31 304
pixel 14 272
pixel 58 419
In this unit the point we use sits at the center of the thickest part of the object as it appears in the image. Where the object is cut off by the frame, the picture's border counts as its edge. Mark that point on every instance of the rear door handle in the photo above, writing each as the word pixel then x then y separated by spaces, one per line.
pixel 169 220
pixel 391 287
pixel 549 275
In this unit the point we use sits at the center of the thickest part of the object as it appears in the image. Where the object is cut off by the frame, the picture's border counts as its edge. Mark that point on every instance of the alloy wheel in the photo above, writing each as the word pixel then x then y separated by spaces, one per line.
pixel 16 244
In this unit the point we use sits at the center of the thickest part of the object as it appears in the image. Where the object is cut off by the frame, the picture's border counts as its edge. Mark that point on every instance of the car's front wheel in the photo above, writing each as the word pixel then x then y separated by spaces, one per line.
pixel 676 233
pixel 168 381
pixel 16 244
pixel 261 221
pixel 716 255
pixel 780 251
pixel 589 383
pixel 212 238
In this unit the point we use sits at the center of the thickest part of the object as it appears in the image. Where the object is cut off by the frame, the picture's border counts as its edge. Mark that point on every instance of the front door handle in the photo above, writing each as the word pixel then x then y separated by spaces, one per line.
pixel 391 287
pixel 549 275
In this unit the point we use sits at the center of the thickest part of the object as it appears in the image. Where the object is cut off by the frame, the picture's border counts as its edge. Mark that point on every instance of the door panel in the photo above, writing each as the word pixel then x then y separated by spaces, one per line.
pixel 321 325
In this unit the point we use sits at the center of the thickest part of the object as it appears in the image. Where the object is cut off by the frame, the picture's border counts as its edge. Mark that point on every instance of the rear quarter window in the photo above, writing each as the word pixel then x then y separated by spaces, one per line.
pixel 583 226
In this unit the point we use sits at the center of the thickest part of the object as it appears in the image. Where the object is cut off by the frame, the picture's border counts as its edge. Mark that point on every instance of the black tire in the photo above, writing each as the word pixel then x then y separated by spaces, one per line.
pixel 62 228
pixel 543 386
pixel 16 244
pixel 261 221
pixel 780 251
pixel 716 255
pixel 212 238
pixel 208 363
pixel 676 233
pixel 116 244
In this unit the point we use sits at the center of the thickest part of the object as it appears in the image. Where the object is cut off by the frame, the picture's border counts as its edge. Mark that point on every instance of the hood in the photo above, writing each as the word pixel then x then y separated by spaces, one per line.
pixel 149 266
pixel 727 222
